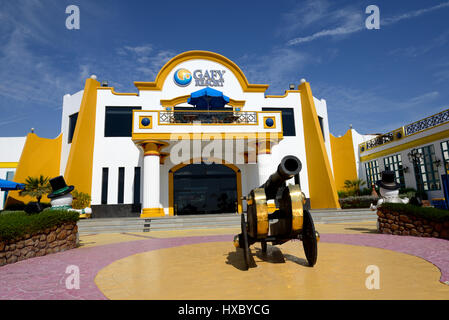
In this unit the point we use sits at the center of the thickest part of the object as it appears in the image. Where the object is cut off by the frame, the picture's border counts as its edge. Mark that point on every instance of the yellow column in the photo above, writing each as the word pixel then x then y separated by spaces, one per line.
pixel 322 190
pixel 78 171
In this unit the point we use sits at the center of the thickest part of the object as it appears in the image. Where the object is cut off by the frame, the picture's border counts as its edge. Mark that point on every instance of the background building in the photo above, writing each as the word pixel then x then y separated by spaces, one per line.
pixel 418 153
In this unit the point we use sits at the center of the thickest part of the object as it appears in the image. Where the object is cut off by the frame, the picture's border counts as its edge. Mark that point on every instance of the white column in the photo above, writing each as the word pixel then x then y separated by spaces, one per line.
pixel 263 166
pixel 264 160
pixel 151 182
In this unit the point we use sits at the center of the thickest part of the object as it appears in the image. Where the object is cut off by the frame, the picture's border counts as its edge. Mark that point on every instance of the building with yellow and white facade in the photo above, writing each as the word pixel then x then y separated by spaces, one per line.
pixel 152 153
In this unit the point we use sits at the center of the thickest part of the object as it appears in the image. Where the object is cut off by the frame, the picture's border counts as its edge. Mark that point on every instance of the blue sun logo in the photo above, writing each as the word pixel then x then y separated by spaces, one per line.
pixel 182 77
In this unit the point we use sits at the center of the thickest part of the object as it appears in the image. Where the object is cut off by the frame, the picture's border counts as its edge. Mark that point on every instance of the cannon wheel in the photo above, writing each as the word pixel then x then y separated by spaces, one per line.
pixel 309 240
pixel 245 245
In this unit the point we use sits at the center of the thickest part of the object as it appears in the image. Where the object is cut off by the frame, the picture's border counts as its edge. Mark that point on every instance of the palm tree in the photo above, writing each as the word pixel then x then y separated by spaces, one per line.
pixel 36 187
pixel 353 186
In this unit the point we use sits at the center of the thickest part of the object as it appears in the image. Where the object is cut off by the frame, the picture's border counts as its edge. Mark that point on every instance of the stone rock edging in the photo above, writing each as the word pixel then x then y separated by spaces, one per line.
pixel 51 240
pixel 409 225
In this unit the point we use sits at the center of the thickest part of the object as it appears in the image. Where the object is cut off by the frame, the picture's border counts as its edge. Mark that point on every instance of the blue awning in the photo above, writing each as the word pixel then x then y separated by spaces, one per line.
pixel 6 185
pixel 208 98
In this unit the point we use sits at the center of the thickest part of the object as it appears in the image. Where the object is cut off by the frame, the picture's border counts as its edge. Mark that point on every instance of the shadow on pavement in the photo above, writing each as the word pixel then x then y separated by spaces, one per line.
pixel 363 230
pixel 273 255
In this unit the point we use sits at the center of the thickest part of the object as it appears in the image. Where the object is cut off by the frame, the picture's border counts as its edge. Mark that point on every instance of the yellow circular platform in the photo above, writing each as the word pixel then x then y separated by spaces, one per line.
pixel 214 271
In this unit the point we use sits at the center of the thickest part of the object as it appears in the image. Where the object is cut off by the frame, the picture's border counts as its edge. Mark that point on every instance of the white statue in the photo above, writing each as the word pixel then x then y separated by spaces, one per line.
pixel 389 190
pixel 61 197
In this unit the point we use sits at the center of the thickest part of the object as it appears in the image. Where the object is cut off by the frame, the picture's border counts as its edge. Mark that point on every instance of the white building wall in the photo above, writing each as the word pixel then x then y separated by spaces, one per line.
pixel 321 110
pixel 290 145
pixel 358 138
pixel 70 105
pixel 10 152
pixel 3 175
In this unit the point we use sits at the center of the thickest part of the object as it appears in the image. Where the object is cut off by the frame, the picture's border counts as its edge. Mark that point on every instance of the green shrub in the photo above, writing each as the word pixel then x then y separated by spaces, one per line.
pixel 428 213
pixel 15 207
pixel 21 206
pixel 357 202
pixel 342 194
pixel 14 224
pixel 363 192
pixel 81 200
pixel 407 190
pixel 366 192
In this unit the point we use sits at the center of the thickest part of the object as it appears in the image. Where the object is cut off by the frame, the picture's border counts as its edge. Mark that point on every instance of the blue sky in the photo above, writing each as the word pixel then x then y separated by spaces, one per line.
pixel 376 80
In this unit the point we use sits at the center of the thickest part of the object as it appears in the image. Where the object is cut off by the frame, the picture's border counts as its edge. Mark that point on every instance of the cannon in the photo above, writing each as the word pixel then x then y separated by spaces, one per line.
pixel 289 221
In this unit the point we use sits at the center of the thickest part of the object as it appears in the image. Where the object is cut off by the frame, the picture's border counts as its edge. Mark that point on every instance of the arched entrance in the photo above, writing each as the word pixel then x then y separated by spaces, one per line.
pixel 205 189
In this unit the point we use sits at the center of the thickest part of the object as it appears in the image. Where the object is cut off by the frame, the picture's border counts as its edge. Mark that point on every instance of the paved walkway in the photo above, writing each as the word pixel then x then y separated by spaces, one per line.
pixel 125 266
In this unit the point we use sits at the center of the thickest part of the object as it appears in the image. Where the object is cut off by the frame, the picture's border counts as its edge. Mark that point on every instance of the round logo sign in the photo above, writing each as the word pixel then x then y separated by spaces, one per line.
pixel 182 77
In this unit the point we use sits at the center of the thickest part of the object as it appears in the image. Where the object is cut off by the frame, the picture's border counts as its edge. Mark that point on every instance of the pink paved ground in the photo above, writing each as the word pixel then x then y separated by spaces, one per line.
pixel 44 277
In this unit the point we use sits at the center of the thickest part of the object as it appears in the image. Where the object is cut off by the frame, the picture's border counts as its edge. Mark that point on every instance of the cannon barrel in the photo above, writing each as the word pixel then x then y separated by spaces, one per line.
pixel 288 168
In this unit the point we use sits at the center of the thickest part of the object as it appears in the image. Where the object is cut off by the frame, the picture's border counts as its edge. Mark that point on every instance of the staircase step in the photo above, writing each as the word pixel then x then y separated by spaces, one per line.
pixel 118 225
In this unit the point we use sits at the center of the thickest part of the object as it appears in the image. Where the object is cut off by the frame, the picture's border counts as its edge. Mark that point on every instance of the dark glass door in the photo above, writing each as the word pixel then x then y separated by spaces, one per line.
pixel 205 189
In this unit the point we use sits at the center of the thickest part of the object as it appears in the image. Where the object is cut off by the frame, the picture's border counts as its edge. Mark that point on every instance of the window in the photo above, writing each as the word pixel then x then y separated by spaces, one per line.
pixel 372 172
pixel 121 184
pixel 426 171
pixel 104 186
pixel 288 120
pixel 394 163
pixel 136 199
pixel 10 175
pixel 445 152
pixel 118 121
pixel 72 124
pixel 320 120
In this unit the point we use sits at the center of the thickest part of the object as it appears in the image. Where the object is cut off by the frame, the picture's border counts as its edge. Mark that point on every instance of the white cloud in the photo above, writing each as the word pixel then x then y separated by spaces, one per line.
pixel 140 53
pixel 413 14
pixel 351 21
pixel 141 62
pixel 337 21
pixel 419 50
pixel 442 74
pixel 372 111
pixel 344 30
pixel 13 119
pixel 305 14
pixel 277 67
pixel 27 77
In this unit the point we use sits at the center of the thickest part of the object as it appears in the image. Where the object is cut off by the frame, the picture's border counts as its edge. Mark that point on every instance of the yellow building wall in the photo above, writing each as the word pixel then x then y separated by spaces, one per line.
pixel 323 193
pixel 80 162
pixel 40 156
pixel 343 159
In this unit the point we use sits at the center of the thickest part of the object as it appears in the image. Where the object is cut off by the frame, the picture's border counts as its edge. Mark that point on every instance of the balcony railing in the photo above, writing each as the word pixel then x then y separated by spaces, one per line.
pixel 379 140
pixel 408 130
pixel 427 123
pixel 208 117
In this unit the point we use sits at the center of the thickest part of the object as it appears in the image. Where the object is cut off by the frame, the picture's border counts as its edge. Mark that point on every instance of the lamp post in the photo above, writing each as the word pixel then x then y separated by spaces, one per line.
pixel 415 157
